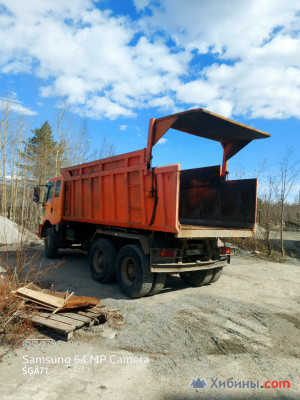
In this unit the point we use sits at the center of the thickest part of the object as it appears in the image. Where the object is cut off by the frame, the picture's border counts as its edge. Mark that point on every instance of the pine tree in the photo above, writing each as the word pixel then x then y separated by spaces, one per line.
pixel 40 152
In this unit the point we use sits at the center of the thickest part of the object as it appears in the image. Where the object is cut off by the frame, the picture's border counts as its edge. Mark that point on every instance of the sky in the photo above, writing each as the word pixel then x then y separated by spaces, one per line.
pixel 119 63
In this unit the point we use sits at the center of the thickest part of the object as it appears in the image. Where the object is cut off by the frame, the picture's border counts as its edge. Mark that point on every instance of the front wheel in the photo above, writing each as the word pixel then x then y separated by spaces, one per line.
pixel 51 243
pixel 133 271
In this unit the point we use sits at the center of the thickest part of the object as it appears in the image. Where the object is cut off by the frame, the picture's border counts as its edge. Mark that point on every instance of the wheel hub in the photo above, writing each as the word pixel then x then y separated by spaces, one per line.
pixel 99 261
pixel 128 270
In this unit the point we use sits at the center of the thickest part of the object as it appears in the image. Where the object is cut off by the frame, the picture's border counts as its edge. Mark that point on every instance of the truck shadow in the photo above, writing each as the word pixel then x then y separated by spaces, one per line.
pixel 174 282
pixel 70 271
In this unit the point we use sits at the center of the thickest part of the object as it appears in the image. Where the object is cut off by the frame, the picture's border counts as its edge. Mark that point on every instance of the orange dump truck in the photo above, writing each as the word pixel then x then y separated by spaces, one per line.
pixel 139 223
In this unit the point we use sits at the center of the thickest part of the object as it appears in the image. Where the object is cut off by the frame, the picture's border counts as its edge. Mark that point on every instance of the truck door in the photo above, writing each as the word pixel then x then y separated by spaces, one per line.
pixel 53 202
pixel 57 202
pixel 48 203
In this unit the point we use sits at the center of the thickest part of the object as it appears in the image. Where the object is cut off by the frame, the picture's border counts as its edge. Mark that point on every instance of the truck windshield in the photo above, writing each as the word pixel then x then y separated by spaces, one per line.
pixel 49 191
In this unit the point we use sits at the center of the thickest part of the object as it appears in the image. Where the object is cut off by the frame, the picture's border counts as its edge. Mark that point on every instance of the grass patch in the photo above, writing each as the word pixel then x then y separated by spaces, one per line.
pixel 260 248
pixel 19 268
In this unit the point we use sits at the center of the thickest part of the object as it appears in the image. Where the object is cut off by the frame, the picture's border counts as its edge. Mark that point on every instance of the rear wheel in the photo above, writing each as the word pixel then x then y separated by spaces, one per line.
pixel 102 260
pixel 133 271
pixel 51 243
pixel 197 278
pixel 159 281
pixel 217 274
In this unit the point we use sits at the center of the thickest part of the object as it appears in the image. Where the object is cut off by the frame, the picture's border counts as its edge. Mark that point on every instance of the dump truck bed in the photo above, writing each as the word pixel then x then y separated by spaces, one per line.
pixel 121 192
pixel 125 191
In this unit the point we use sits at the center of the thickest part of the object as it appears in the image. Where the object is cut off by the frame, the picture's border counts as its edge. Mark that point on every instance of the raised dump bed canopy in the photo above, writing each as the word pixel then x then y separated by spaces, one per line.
pixel 199 122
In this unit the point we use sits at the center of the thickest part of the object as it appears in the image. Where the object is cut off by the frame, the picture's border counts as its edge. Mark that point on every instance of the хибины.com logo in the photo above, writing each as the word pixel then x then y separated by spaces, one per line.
pixel 231 383
pixel 198 384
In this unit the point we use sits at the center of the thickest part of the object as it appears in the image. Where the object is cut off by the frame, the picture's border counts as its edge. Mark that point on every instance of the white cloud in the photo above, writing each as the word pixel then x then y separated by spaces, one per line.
pixel 259 38
pixel 101 107
pixel 141 4
pixel 227 27
pixel 20 109
pixel 162 141
pixel 164 103
pixel 16 67
pixel 88 57
pixel 16 106
pixel 123 127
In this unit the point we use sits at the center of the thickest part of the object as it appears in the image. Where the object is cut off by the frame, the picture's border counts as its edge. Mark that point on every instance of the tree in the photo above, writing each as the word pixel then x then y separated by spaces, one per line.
pixel 268 217
pixel 19 143
pixel 239 169
pixel 288 172
pixel 107 149
pixel 5 115
pixel 61 144
pixel 40 153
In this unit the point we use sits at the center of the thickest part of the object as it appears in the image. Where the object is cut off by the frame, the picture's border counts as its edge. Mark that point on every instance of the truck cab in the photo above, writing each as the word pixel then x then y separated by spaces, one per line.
pixel 53 204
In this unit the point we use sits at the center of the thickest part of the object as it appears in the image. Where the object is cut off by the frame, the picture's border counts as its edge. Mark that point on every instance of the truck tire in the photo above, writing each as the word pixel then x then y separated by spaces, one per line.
pixel 197 278
pixel 102 260
pixel 217 274
pixel 133 271
pixel 159 281
pixel 51 243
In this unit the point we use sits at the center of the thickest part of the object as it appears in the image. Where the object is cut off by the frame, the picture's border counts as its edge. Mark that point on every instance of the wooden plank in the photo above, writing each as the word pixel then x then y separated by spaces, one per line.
pixel 93 312
pixel 89 314
pixel 62 318
pixel 84 300
pixel 75 304
pixel 97 310
pixel 60 326
pixel 42 297
pixel 46 306
pixel 59 308
pixel 100 306
pixel 57 335
pixel 76 317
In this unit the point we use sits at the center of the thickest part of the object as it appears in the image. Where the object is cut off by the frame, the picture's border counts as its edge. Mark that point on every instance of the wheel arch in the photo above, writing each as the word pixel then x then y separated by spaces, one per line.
pixel 46 225
pixel 122 239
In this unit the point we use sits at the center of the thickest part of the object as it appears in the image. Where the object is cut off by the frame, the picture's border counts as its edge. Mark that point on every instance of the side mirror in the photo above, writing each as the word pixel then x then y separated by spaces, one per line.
pixel 37 193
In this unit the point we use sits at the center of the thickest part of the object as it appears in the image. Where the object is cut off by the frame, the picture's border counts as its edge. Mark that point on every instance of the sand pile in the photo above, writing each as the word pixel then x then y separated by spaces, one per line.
pixel 13 234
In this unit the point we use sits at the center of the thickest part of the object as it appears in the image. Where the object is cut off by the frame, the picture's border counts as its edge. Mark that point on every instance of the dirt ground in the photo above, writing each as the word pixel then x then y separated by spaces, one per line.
pixel 244 327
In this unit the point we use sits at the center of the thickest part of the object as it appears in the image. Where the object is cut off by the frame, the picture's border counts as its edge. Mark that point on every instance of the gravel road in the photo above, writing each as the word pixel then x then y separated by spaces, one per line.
pixel 244 327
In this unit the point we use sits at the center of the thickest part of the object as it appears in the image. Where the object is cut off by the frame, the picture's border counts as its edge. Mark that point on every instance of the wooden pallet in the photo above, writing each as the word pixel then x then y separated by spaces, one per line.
pixel 62 325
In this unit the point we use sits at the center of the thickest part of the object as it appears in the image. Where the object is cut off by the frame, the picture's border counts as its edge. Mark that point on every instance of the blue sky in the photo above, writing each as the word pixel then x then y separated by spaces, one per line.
pixel 119 63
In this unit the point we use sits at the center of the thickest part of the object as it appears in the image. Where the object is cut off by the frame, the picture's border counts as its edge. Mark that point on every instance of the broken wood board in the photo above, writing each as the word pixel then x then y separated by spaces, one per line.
pixel 63 325
pixel 76 316
pixel 40 304
pixel 63 330
pixel 41 297
pixel 55 301
pixel 75 301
